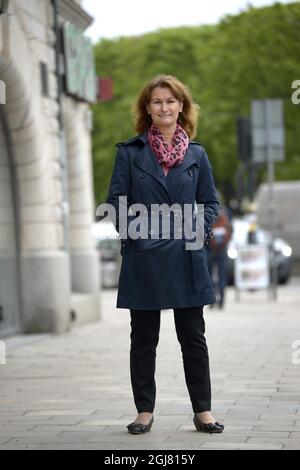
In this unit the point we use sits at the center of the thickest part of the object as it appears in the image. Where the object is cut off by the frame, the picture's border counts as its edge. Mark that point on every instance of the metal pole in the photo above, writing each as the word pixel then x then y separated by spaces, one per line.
pixel 250 174
pixel 271 206
pixel 240 183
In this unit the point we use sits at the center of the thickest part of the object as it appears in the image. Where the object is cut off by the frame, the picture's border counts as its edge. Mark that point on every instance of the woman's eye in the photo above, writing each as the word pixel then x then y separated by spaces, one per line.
pixel 168 102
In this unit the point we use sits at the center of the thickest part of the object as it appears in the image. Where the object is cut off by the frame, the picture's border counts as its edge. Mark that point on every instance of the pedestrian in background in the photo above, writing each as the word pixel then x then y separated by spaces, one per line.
pixel 217 254
pixel 162 165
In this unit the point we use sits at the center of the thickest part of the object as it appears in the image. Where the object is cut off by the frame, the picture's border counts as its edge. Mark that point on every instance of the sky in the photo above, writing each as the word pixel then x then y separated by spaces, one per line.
pixel 113 18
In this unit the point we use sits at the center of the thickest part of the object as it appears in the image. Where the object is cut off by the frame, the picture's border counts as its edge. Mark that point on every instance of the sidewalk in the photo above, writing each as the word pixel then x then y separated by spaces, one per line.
pixel 73 391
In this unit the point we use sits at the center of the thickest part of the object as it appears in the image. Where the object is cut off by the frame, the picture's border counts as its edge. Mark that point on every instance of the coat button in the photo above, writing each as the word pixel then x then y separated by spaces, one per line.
pixel 142 175
pixel 190 173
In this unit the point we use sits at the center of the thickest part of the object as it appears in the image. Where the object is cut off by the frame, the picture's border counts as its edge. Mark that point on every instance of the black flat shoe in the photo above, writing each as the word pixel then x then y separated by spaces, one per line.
pixel 139 428
pixel 210 428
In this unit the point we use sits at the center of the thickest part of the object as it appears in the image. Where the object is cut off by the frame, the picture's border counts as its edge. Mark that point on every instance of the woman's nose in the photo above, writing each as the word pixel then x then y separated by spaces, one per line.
pixel 164 106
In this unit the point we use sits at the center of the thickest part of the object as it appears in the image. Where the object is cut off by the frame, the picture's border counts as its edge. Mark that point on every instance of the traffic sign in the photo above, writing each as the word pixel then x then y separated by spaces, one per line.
pixel 267 123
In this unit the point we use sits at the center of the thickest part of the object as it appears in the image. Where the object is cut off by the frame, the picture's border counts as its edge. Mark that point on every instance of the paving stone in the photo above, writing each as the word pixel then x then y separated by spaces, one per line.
pixel 59 413
pixel 270 427
pixel 291 445
pixel 269 434
pixel 80 446
pixel 73 391
pixel 239 446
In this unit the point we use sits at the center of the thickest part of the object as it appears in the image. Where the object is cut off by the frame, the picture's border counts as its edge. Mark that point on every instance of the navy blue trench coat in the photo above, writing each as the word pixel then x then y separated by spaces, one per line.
pixel 160 273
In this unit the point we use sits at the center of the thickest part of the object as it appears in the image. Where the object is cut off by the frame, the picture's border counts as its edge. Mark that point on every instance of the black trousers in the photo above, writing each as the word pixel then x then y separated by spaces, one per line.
pixel 190 329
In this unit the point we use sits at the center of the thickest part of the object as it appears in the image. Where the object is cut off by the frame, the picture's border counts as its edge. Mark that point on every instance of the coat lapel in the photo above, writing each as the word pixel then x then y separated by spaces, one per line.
pixel 147 161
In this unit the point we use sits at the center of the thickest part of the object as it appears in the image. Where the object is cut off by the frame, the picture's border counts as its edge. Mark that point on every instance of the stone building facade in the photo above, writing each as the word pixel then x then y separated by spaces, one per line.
pixel 49 269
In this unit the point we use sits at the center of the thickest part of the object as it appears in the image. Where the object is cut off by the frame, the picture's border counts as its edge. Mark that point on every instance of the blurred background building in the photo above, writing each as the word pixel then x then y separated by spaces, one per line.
pixel 49 270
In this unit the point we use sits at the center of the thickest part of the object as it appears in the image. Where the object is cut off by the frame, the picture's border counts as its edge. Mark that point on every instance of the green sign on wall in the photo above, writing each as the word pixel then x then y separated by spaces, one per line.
pixel 80 66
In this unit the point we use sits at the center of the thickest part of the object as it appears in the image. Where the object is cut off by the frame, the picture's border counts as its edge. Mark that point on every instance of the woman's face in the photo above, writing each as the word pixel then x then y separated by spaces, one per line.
pixel 164 107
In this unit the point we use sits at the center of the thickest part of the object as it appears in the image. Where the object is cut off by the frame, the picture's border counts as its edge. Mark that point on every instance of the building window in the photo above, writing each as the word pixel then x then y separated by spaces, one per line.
pixel 44 79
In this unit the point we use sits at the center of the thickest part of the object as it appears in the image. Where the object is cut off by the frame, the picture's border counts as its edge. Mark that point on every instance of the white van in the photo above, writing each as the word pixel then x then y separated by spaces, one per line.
pixel 287 213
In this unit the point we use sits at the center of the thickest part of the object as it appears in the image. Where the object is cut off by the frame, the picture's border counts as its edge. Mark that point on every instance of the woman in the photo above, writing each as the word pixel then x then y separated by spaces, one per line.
pixel 161 165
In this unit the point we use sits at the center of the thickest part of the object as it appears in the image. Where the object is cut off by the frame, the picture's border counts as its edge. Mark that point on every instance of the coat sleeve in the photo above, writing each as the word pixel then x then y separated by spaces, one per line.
pixel 120 185
pixel 206 194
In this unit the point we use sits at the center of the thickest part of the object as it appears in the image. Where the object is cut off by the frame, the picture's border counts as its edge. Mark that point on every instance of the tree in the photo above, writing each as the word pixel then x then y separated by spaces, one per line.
pixel 253 55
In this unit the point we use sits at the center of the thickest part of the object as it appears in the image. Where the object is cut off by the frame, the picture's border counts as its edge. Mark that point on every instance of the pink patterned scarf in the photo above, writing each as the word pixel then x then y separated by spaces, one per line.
pixel 168 157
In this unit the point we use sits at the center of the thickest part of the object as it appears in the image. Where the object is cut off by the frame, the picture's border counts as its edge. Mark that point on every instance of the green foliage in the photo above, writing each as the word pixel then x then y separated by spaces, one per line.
pixel 253 55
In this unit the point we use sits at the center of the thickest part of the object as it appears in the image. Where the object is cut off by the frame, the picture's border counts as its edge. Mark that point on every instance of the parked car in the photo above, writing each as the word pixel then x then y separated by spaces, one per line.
pixel 240 236
pixel 108 247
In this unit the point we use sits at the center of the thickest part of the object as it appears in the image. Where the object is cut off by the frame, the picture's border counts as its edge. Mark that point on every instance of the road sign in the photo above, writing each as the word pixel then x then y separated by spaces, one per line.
pixel 80 65
pixel 267 122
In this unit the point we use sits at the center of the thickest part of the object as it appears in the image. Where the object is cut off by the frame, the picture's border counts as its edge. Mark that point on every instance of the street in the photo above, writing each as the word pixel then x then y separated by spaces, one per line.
pixel 73 391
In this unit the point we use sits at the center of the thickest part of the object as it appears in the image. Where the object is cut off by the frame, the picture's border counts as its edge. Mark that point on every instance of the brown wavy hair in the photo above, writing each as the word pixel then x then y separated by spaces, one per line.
pixel 188 117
